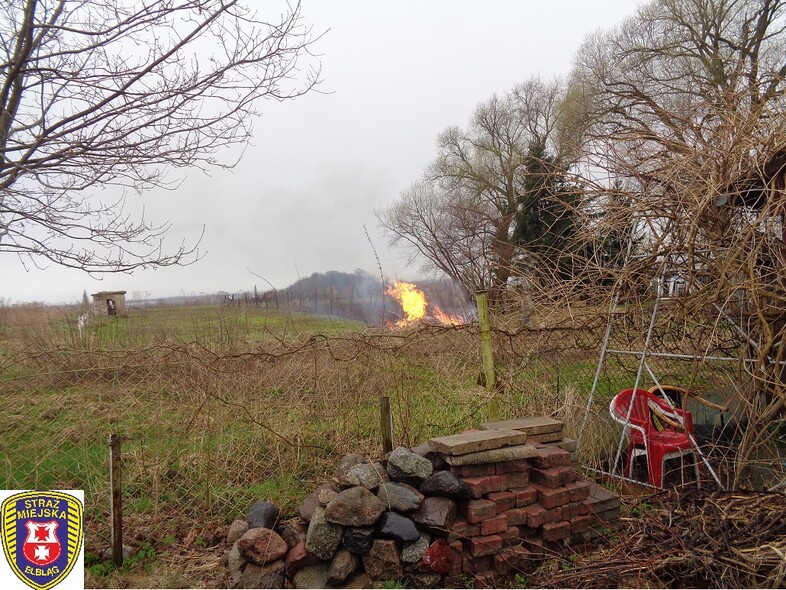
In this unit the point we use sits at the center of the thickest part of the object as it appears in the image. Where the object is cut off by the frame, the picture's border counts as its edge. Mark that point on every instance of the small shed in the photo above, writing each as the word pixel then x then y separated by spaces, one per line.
pixel 109 303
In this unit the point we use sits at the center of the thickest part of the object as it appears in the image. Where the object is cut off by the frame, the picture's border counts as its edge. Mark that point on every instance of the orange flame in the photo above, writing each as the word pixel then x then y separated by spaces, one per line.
pixel 412 300
pixel 413 303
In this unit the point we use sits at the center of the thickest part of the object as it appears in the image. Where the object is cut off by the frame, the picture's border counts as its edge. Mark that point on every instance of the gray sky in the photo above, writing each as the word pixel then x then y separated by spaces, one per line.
pixel 398 72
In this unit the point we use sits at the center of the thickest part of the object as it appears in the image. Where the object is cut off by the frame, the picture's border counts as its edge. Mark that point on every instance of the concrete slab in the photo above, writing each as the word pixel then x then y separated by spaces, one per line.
pixel 601 499
pixel 547 438
pixel 476 441
pixel 532 426
pixel 515 453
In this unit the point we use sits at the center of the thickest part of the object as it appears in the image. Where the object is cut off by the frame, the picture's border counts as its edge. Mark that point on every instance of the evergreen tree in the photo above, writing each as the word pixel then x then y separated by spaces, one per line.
pixel 546 216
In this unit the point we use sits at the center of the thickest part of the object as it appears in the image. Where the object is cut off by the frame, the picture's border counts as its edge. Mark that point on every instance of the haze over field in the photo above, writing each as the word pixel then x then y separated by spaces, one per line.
pixel 395 73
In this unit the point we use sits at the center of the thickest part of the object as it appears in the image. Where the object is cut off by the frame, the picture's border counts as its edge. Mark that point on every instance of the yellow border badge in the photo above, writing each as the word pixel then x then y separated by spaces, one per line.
pixel 42 536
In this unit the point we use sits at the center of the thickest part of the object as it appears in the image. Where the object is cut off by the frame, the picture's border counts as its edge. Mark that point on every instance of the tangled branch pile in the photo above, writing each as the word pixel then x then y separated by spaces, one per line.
pixel 701 539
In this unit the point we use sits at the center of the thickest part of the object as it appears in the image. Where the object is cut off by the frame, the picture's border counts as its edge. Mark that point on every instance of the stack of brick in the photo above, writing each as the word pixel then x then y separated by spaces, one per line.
pixel 527 502
pixel 483 504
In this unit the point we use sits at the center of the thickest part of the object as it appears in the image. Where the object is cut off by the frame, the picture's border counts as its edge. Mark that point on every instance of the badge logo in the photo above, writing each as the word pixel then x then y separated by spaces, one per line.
pixel 42 536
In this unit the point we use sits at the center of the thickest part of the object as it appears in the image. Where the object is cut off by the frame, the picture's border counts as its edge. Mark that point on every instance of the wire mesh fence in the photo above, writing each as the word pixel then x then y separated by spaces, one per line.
pixel 218 411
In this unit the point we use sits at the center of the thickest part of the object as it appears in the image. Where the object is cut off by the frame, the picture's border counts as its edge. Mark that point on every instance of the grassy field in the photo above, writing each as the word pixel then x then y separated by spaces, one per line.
pixel 220 407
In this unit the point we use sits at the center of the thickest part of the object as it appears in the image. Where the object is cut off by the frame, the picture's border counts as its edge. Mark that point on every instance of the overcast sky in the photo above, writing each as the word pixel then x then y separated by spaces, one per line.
pixel 396 73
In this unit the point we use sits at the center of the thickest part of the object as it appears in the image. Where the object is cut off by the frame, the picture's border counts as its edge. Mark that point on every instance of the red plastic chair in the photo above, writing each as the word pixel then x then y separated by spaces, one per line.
pixel 644 436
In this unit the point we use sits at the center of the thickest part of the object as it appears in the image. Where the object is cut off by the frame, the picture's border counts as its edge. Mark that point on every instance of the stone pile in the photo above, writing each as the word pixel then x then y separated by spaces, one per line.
pixel 482 504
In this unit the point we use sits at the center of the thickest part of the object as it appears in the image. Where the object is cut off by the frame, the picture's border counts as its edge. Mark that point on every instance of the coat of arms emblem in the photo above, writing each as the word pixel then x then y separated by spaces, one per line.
pixel 42 536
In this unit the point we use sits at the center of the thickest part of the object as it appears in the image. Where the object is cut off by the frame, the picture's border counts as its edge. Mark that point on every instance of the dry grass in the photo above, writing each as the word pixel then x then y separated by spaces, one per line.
pixel 230 407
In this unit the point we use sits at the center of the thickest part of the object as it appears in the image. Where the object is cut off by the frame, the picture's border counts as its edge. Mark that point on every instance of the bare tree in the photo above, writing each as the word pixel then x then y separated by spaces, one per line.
pixel 462 216
pixel 684 103
pixel 103 93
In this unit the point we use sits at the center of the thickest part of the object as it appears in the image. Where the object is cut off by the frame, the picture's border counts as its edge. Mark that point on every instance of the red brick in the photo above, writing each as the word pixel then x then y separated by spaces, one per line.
pixel 551 457
pixel 534 545
pixel 512 559
pixel 482 546
pixel 525 496
pixel 485 484
pixel 580 524
pixel 575 509
pixel 578 490
pixel 552 497
pixel 536 515
pixel 478 510
pixel 503 500
pixel 513 466
pixel 456 558
pixel 461 529
pixel 554 477
pixel 474 470
pixel 470 564
pixel 517 516
pixel 494 525
pixel 518 479
pixel 511 535
pixel 555 531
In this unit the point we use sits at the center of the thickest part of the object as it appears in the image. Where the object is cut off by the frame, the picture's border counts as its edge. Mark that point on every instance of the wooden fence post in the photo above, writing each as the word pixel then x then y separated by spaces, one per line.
pixel 116 485
pixel 387 424
pixel 487 352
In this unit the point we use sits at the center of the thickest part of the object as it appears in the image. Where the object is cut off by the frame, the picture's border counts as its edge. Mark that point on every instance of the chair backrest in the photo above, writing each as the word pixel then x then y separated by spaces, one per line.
pixel 672 392
pixel 639 415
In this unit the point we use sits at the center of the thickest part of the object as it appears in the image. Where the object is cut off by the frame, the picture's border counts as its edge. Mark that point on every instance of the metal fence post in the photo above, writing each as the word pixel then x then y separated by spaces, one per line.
pixel 487 352
pixel 116 486
pixel 387 424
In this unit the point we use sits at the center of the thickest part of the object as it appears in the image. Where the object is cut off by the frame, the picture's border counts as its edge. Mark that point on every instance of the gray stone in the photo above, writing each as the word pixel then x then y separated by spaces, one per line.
pixel 399 497
pixel 426 451
pixel 406 466
pixel 297 559
pixel 261 546
pixel 395 526
pixel 436 514
pixel 445 483
pixel 128 551
pixel 236 564
pixel 236 530
pixel 263 576
pixel 323 537
pixel 354 507
pixel 313 576
pixel 343 565
pixel 367 475
pixel 413 552
pixel 567 444
pixel 358 539
pixel 382 562
pixel 359 580
pixel 514 453
pixel 311 502
pixel 294 532
pixel 346 463
pixel 262 515
pixel 326 496
pixel 476 441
